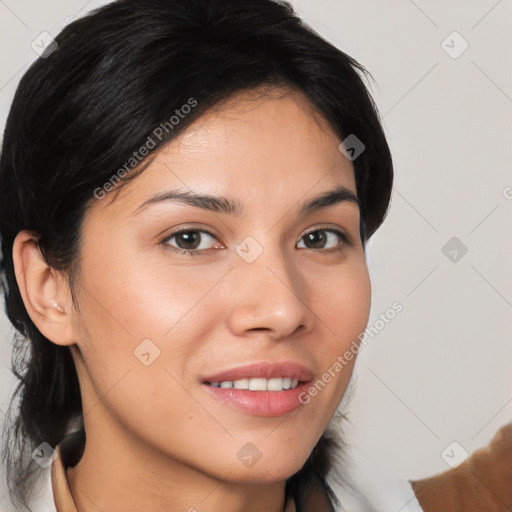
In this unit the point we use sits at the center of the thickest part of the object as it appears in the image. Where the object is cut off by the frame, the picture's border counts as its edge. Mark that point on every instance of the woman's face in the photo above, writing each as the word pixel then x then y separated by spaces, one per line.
pixel 156 322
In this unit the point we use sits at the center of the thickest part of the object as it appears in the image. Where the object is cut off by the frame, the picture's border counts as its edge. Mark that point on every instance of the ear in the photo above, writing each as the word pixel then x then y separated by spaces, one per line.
pixel 44 290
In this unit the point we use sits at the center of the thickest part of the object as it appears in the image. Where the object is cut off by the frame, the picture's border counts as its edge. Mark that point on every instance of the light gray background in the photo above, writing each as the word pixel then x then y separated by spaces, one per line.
pixel 440 371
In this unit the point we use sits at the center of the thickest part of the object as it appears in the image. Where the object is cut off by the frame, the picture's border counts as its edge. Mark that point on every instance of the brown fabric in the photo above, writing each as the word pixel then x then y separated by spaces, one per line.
pixel 483 482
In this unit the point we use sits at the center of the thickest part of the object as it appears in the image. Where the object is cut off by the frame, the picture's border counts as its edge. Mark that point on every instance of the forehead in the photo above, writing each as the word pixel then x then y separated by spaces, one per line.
pixel 269 143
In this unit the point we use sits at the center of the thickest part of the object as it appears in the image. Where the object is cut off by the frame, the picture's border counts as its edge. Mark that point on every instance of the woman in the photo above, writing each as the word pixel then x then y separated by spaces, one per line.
pixel 186 192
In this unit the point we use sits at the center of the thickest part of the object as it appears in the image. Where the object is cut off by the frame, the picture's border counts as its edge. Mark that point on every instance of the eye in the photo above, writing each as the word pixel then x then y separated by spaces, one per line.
pixel 320 237
pixel 193 241
pixel 189 241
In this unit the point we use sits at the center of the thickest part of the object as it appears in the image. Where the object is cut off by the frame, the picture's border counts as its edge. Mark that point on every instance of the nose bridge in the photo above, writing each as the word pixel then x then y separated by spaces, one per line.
pixel 267 291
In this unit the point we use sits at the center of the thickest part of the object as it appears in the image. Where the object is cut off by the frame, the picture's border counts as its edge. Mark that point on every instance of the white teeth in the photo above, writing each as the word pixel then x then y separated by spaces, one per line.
pixel 241 384
pixel 275 384
pixel 259 384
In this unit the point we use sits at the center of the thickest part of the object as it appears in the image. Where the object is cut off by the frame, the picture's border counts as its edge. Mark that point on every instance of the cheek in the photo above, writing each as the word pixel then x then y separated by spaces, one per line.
pixel 142 323
pixel 344 308
pixel 137 297
pixel 345 303
pixel 137 337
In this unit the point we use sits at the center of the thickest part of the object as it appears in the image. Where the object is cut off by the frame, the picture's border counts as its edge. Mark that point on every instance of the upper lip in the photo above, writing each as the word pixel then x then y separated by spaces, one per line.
pixel 263 370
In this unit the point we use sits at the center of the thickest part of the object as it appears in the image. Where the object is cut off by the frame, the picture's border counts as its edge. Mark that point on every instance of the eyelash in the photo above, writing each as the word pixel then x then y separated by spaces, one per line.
pixel 191 252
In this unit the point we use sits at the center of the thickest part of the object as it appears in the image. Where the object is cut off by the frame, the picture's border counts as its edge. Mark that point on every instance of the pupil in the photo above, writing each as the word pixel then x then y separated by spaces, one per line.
pixel 319 235
pixel 189 237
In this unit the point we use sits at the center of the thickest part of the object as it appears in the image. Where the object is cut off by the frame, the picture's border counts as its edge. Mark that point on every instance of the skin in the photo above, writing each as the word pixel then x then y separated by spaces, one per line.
pixel 156 440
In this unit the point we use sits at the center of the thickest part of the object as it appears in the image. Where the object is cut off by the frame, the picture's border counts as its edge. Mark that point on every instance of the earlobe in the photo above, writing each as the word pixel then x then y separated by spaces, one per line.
pixel 45 294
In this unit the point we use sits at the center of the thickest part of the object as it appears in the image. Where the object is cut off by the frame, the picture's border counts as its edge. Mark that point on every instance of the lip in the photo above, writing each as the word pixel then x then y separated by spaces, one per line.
pixel 261 403
pixel 265 370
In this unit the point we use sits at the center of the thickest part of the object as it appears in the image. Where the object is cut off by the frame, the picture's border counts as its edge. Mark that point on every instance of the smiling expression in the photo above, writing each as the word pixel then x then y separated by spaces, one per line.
pixel 175 287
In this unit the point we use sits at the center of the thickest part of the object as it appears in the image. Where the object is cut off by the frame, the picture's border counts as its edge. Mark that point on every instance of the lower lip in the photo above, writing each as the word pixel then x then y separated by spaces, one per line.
pixel 261 403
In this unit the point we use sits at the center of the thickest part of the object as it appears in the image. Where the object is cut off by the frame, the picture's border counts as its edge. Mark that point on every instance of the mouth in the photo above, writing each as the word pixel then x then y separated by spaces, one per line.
pixel 261 389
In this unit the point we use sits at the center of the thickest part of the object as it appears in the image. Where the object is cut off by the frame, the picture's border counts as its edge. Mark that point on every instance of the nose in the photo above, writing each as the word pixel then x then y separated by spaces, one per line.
pixel 268 294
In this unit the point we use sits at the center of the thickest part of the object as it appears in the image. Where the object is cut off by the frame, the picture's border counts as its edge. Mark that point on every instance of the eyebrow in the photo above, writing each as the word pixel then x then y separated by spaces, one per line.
pixel 221 204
